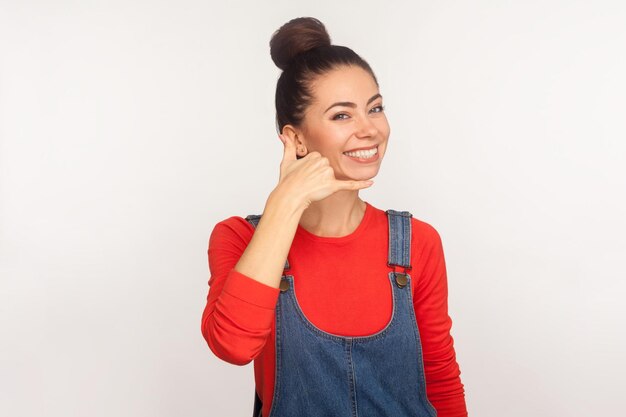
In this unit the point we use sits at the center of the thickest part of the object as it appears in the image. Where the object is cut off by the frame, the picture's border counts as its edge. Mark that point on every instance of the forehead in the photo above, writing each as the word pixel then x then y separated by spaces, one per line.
pixel 346 83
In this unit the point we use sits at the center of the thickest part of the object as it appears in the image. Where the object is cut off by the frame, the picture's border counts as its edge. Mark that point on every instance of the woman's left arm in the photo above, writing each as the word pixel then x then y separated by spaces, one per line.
pixel 430 300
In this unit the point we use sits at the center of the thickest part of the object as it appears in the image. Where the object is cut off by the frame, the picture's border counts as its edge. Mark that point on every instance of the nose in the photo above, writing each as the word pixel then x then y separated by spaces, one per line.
pixel 366 128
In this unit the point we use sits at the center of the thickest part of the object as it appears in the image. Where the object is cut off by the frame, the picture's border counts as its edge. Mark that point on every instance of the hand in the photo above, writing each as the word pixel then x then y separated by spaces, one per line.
pixel 310 178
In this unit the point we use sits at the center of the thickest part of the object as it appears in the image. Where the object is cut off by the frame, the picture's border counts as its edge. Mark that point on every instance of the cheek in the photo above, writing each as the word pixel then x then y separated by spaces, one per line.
pixel 384 125
pixel 331 139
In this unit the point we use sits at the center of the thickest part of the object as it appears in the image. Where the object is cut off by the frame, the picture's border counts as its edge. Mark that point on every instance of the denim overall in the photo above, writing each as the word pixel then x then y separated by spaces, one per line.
pixel 323 374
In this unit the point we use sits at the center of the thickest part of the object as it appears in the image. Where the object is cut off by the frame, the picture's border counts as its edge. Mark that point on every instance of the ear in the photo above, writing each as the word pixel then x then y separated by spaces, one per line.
pixel 296 135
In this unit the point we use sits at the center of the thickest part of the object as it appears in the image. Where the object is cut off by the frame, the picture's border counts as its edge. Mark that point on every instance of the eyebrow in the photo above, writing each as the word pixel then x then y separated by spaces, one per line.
pixel 351 104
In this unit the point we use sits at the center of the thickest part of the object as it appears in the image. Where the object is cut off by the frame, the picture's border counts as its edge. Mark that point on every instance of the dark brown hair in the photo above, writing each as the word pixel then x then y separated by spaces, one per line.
pixel 302 49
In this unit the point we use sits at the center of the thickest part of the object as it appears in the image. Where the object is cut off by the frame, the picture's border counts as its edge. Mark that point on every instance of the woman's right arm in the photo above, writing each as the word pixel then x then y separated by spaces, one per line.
pixel 245 275
pixel 243 290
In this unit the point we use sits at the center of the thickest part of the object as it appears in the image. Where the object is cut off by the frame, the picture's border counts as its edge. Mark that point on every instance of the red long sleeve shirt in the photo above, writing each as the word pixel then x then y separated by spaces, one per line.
pixel 238 320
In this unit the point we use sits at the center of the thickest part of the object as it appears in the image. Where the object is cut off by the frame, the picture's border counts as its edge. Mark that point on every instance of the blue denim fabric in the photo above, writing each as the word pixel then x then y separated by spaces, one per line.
pixel 379 375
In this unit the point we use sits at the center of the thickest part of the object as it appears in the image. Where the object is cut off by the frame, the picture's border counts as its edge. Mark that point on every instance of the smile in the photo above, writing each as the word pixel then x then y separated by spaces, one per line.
pixel 363 155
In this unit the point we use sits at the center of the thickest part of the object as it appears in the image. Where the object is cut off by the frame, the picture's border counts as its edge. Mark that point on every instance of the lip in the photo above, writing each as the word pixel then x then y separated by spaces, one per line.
pixel 362 149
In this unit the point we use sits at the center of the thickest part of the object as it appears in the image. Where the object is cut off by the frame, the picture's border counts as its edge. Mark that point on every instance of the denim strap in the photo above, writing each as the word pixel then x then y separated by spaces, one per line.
pixel 399 238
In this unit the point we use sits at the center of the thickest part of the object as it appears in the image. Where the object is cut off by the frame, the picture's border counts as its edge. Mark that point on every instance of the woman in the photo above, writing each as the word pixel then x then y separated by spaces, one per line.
pixel 365 278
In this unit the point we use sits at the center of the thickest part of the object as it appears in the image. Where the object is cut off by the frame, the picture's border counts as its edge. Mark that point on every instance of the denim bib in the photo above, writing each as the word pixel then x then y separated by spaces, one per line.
pixel 322 374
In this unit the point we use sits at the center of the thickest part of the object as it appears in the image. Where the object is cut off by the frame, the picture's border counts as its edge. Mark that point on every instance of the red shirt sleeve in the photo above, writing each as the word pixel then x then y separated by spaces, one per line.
pixel 239 312
pixel 443 382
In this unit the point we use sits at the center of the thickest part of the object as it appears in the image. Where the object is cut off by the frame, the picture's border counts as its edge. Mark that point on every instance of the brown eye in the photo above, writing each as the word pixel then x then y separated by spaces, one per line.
pixel 340 114
pixel 381 107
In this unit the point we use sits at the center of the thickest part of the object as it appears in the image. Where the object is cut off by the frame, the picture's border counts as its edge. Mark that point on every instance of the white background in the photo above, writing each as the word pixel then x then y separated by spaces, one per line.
pixel 128 129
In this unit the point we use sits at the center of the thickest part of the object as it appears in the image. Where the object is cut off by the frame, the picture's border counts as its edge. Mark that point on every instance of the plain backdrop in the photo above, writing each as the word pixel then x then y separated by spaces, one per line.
pixel 128 129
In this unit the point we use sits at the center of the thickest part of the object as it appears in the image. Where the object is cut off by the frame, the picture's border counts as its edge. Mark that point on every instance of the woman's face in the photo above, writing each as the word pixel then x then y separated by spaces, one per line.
pixel 346 115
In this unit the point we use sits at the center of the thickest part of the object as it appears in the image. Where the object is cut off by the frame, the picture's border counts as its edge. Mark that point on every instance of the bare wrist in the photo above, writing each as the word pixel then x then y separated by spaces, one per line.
pixel 285 203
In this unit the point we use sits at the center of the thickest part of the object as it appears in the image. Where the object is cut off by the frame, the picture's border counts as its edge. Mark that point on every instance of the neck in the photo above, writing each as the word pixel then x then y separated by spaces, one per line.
pixel 337 215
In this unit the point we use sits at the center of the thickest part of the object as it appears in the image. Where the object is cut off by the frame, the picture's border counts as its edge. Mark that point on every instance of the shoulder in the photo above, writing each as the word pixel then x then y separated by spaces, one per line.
pixel 425 239
pixel 231 230
pixel 424 231
pixel 426 244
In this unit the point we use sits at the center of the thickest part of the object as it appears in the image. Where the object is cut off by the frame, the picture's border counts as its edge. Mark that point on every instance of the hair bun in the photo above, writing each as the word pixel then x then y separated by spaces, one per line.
pixel 295 37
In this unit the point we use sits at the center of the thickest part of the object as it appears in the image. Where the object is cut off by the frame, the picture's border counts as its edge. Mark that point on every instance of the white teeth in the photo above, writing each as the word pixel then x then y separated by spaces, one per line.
pixel 363 154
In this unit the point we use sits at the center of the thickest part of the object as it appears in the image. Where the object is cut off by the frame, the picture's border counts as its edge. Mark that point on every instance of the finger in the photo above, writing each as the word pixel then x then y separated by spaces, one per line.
pixel 353 185
pixel 290 148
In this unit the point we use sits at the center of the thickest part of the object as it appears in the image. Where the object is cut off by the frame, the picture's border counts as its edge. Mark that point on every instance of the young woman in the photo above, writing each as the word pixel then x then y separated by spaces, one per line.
pixel 341 305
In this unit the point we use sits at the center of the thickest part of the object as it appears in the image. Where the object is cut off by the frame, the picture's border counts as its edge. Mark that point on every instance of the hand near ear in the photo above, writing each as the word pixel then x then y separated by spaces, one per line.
pixel 310 178
pixel 301 182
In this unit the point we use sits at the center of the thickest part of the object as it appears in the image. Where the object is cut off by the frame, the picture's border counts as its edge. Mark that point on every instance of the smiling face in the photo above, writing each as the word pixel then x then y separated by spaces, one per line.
pixel 346 115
